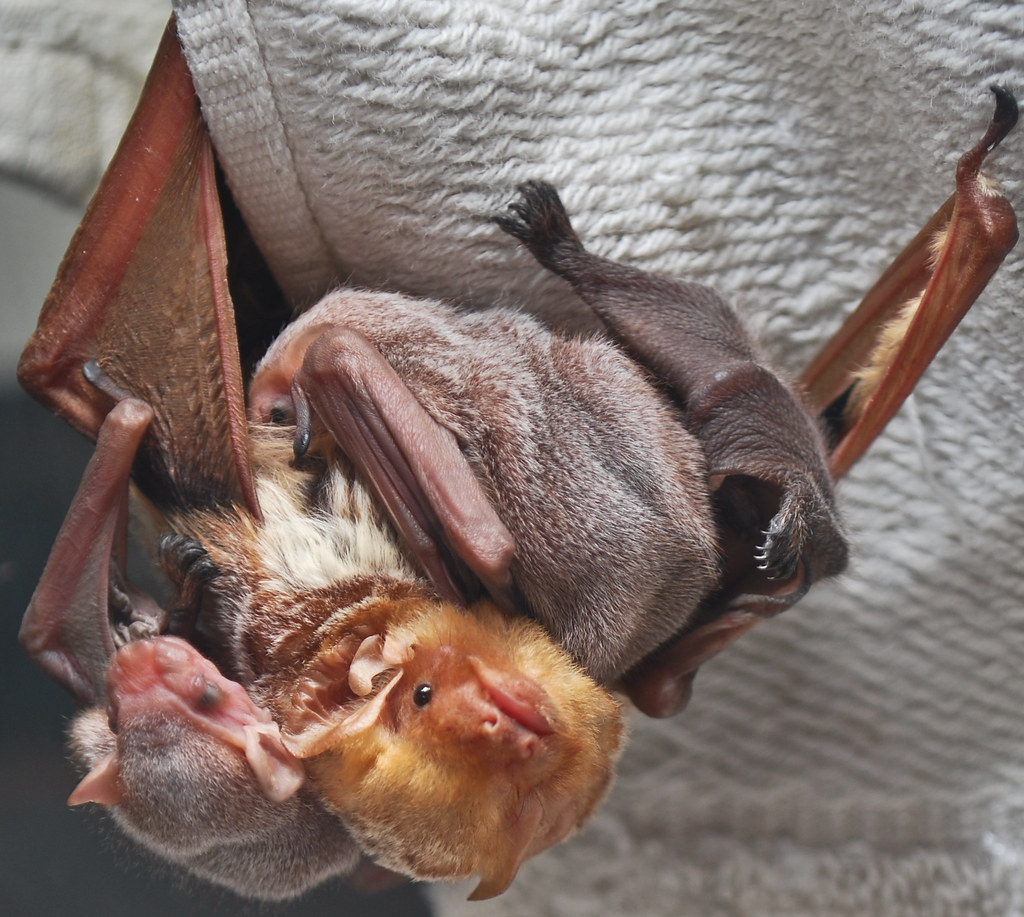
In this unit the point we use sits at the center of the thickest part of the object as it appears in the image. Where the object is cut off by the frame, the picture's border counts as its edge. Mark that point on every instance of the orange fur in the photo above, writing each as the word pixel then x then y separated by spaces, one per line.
pixel 869 377
pixel 457 787
pixel 515 748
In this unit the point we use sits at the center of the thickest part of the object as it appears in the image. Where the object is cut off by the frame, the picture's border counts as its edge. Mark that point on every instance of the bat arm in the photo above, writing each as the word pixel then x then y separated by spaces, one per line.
pixel 941 272
pixel 66 628
pixel 425 482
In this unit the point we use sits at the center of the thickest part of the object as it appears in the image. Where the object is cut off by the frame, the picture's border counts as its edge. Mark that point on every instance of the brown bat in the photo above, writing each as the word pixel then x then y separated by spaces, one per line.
pixel 548 473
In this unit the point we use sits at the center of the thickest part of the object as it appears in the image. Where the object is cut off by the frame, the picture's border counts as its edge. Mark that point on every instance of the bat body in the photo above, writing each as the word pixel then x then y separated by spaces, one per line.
pixel 348 664
pixel 408 710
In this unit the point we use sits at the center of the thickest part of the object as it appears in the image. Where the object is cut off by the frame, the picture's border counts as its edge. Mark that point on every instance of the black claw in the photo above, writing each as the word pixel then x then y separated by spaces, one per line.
pixel 1003 120
pixel 188 565
pixel 98 378
pixel 300 445
pixel 303 422
pixel 778 557
pixel 1005 116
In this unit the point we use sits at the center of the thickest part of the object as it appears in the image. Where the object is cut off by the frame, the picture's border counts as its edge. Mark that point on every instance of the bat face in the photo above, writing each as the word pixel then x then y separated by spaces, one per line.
pixel 428 729
pixel 489 746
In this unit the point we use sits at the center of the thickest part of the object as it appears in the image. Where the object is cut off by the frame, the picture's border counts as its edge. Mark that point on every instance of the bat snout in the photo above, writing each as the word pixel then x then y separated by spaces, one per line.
pixel 517 698
pixel 164 671
pixel 169 676
pixel 515 716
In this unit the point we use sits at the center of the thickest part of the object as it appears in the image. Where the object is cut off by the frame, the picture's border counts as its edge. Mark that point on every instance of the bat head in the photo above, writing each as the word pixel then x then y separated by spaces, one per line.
pixel 474 742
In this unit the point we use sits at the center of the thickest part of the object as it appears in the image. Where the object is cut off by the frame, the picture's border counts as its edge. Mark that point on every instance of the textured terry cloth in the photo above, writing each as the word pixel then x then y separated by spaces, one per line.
pixel 863 753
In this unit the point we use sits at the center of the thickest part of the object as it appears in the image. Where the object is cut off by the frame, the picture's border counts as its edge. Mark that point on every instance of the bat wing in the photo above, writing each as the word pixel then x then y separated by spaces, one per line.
pixel 863 375
pixel 66 628
pixel 140 315
pixel 859 381
pixel 143 292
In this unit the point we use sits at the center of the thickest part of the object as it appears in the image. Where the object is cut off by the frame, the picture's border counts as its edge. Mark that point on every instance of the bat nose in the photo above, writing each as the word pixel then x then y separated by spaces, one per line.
pixel 518 697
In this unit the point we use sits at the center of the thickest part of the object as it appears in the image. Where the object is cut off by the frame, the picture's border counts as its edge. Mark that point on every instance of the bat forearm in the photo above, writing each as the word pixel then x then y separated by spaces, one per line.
pixel 66 628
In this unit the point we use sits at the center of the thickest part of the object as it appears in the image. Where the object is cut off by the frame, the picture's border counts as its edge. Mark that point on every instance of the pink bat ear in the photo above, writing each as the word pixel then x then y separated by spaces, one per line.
pixel 377 654
pixel 516 846
pixel 366 715
pixel 101 785
pixel 335 698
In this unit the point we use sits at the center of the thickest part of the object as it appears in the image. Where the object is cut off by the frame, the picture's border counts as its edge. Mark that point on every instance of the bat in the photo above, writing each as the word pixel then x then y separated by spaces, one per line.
pixel 346 375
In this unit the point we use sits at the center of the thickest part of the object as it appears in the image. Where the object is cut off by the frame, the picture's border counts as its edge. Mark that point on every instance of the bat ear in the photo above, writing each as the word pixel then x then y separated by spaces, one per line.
pixel 334 699
pixel 101 785
pixel 376 654
pixel 517 844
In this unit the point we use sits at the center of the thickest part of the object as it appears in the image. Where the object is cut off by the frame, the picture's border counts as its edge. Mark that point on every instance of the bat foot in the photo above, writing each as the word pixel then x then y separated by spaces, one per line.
pixel 538 219
pixel 188 565
pixel 805 525
pixel 777 557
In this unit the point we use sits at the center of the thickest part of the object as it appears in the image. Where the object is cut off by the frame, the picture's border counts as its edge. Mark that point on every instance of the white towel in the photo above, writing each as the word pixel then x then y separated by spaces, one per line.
pixel 71 72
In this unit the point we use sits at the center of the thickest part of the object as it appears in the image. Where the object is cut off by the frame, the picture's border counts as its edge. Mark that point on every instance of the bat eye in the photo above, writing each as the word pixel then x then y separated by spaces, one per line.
pixel 422 695
pixel 209 697
pixel 281 416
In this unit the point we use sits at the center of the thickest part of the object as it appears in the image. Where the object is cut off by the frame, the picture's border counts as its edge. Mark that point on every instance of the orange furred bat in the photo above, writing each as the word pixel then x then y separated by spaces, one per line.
pixel 411 549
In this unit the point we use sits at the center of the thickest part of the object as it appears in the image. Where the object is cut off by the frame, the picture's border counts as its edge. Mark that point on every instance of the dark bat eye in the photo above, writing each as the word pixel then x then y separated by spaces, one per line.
pixel 421 695
pixel 281 416
pixel 210 696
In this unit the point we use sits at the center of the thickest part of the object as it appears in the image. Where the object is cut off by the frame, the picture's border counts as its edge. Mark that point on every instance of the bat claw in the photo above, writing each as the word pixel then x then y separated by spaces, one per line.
pixel 804 531
pixel 97 377
pixel 778 556
pixel 539 220
pixel 303 420
pixel 1003 119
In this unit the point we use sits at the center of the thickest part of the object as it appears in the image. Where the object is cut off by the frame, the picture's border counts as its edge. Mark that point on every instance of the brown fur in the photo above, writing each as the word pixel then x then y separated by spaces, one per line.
pixel 590 469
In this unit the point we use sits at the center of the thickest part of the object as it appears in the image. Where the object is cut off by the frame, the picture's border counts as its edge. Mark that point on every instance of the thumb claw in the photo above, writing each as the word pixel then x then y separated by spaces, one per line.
pixel 303 420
